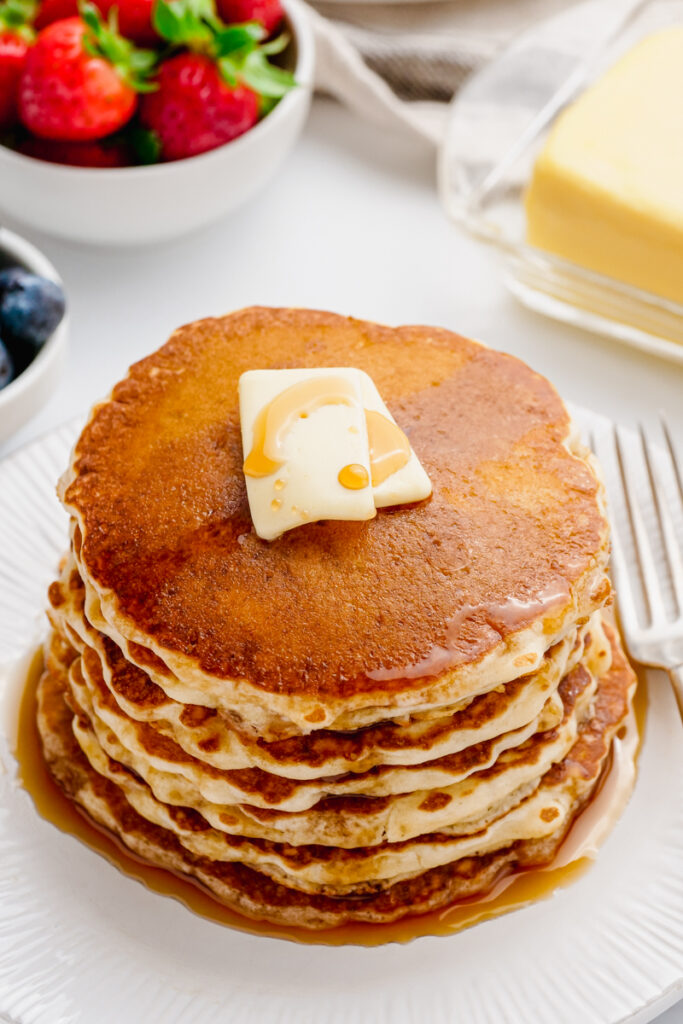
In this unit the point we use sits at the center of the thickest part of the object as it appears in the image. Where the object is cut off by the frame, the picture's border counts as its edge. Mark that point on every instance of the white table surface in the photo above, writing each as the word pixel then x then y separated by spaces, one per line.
pixel 351 224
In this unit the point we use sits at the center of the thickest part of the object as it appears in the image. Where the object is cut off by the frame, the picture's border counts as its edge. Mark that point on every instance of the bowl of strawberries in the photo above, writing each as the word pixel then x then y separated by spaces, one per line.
pixel 134 121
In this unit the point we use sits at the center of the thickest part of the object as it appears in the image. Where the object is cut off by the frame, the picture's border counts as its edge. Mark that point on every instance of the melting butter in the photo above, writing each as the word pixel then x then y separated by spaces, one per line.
pixel 332 443
pixel 296 440
pixel 398 476
pixel 299 400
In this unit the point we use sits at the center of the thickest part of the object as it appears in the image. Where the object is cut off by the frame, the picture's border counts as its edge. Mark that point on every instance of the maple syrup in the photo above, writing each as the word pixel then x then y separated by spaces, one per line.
pixel 354 477
pixel 510 892
pixel 499 618
pixel 273 421
pixel 389 446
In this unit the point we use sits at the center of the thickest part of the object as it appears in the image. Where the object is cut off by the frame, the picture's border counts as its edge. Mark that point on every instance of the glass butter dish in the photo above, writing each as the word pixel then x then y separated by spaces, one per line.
pixel 497 126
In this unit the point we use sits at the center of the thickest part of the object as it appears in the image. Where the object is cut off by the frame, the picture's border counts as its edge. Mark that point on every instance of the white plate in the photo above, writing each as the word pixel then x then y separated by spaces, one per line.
pixel 81 942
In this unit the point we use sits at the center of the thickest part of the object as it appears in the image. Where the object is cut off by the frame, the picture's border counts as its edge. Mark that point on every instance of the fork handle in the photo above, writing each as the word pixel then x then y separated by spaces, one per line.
pixel 676 677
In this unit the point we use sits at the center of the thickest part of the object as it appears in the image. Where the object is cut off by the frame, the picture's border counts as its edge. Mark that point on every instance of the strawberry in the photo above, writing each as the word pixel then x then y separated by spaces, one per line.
pixel 134 16
pixel 135 19
pixel 55 10
pixel 81 78
pixel 77 154
pixel 216 91
pixel 15 38
pixel 194 109
pixel 13 50
pixel 268 13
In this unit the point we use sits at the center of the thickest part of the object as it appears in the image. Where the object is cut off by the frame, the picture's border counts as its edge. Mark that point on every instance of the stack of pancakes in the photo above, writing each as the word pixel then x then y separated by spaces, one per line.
pixel 356 721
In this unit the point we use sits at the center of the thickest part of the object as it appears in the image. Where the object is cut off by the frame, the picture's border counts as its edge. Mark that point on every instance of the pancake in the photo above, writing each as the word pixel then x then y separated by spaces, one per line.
pixel 165 765
pixel 343 821
pixel 117 687
pixel 564 789
pixel 358 720
pixel 138 655
pixel 335 753
pixel 336 624
pixel 207 734
pixel 163 753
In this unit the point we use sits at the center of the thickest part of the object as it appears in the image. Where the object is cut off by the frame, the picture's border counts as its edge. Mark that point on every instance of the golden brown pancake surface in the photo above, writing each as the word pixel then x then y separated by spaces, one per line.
pixel 335 608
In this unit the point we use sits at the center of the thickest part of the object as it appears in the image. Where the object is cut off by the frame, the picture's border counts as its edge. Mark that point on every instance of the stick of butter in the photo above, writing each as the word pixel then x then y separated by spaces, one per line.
pixel 321 444
pixel 607 187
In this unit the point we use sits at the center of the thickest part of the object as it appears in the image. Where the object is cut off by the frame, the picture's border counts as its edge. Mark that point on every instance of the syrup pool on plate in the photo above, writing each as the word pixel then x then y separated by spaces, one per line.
pixel 510 892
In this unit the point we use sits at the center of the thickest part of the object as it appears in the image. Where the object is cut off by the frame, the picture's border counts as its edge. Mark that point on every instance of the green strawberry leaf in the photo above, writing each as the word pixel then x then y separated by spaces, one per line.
pixel 265 78
pixel 185 23
pixel 143 62
pixel 228 71
pixel 145 145
pixel 17 16
pixel 205 9
pixel 237 49
pixel 234 38
pixel 276 45
pixel 266 104
pixel 102 39
pixel 166 21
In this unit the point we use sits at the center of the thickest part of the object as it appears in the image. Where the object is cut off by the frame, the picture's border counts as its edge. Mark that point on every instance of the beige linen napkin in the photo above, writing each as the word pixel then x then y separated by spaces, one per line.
pixel 400 63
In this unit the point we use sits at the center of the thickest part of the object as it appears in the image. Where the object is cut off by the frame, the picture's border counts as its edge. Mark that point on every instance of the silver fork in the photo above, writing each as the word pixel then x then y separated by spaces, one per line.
pixel 645 491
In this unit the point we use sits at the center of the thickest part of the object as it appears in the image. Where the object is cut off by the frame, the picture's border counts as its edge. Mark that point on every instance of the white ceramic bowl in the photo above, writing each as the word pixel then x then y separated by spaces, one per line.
pixel 24 396
pixel 133 205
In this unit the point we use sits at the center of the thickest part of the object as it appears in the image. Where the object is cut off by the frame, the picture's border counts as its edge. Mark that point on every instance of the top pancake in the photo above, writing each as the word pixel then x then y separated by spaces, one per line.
pixel 502 559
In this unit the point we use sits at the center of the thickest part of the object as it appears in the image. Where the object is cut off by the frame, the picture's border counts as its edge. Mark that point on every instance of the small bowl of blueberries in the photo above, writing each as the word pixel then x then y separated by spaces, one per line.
pixel 33 331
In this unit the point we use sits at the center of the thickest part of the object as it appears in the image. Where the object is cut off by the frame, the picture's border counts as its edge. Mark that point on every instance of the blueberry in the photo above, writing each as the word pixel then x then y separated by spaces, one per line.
pixel 6 368
pixel 21 353
pixel 30 306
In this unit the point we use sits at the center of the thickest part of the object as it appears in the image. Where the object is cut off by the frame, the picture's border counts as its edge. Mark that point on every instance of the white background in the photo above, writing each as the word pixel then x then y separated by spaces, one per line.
pixel 351 224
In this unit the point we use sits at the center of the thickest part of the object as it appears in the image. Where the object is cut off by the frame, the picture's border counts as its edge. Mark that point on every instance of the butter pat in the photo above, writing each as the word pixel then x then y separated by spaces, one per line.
pixel 321 444
pixel 607 189
pixel 316 431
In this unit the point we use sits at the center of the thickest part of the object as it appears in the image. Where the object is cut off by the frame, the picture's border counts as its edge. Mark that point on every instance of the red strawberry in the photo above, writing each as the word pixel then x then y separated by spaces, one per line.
pixel 16 36
pixel 80 80
pixel 77 154
pixel 215 92
pixel 135 19
pixel 268 13
pixel 55 10
pixel 13 52
pixel 194 109
pixel 134 16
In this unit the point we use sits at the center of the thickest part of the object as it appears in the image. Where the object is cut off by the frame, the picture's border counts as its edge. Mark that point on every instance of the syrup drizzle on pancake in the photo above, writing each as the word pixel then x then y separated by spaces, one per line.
pixel 389 447
pixel 513 509
pixel 274 420
pixel 496 618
